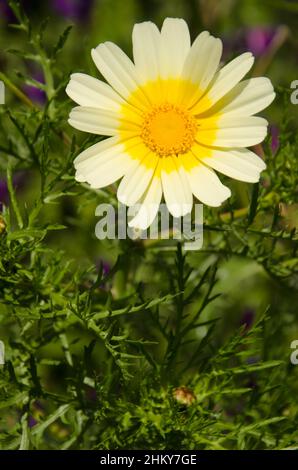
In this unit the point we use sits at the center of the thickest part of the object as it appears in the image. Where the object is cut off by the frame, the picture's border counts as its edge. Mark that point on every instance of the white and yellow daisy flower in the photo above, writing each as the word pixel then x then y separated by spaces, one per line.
pixel 173 116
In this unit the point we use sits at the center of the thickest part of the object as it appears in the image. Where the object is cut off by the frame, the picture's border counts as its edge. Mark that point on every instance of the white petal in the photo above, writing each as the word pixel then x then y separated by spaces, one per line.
pixel 198 48
pixel 149 206
pixel 146 43
pixel 80 177
pixel 176 189
pixel 88 91
pixel 224 80
pixel 135 183
pixel 105 174
pixel 97 149
pixel 103 163
pixel 116 68
pixel 245 99
pixel 174 47
pixel 202 62
pixel 232 131
pixel 240 164
pixel 94 120
pixel 206 186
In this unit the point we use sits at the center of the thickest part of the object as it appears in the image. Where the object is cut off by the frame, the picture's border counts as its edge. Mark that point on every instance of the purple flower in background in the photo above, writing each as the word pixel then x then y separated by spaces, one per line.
pixel 35 94
pixel 274 131
pixel 3 193
pixel 247 318
pixel 31 422
pixel 37 412
pixel 106 268
pixel 253 360
pixel 91 394
pixel 259 39
pixel 252 383
pixel 6 12
pixel 18 182
pixel 104 265
pixel 74 9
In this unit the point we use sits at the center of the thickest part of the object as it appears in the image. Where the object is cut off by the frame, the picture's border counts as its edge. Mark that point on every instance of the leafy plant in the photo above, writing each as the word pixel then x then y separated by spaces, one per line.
pixel 98 359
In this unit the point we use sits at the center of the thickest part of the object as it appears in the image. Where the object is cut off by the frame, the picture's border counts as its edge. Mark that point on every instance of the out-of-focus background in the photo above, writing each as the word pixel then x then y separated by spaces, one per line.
pixel 256 279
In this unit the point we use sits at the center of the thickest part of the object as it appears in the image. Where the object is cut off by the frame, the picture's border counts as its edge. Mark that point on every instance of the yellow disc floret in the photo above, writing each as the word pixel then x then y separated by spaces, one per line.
pixel 168 130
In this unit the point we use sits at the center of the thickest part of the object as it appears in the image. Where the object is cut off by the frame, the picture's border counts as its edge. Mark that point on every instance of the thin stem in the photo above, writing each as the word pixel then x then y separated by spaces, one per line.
pixel 45 63
pixel 12 197
pixel 174 341
pixel 16 91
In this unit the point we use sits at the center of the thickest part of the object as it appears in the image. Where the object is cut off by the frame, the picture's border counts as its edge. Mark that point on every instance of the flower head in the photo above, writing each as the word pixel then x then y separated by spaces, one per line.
pixel 184 396
pixel 172 117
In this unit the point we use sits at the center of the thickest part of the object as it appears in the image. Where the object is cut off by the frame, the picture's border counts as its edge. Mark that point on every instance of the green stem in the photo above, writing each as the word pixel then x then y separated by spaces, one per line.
pixel 15 90
pixel 174 341
pixel 49 80
pixel 45 63
pixel 13 197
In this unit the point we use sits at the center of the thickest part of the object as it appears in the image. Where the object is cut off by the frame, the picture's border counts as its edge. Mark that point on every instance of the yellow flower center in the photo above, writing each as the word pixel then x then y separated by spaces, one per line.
pixel 168 130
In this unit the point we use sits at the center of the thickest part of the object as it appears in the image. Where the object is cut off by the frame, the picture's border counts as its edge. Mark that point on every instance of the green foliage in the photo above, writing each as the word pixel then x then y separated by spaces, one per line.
pixel 96 358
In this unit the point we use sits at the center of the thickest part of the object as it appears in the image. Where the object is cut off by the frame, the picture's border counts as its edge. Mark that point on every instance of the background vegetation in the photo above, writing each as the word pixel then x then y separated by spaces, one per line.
pixel 136 344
